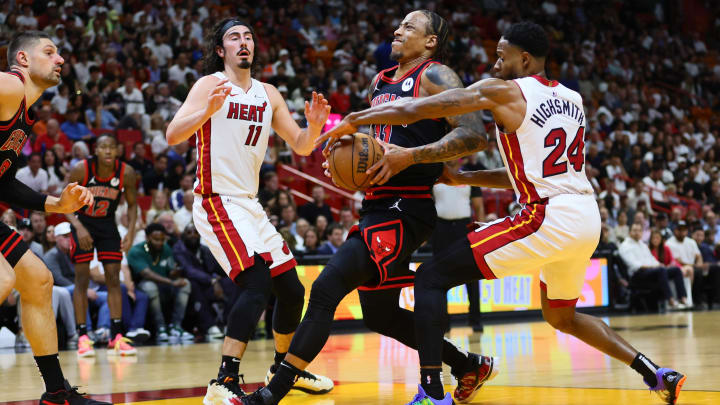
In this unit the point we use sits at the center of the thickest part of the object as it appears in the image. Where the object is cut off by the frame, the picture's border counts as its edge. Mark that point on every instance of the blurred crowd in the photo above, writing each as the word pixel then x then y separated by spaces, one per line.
pixel 648 72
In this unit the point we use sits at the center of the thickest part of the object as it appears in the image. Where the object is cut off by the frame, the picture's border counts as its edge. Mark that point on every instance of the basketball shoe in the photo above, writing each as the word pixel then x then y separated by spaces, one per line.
pixel 423 399
pixel 306 382
pixel 469 384
pixel 225 390
pixel 68 396
pixel 669 384
pixel 85 347
pixel 121 346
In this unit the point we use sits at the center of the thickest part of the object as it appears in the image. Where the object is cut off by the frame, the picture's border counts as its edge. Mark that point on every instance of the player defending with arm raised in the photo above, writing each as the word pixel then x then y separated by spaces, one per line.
pixel 107 178
pixel 35 67
pixel 540 127
pixel 232 114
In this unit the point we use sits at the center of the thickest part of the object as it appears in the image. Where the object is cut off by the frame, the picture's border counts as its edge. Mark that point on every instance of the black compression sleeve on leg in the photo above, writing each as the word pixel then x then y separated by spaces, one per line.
pixel 254 284
pixel 451 267
pixel 348 269
pixel 289 299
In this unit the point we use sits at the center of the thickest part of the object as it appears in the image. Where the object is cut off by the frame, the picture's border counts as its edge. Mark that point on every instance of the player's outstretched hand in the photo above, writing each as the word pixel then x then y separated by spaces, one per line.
pixel 73 198
pixel 317 111
pixel 344 127
pixel 217 96
pixel 395 160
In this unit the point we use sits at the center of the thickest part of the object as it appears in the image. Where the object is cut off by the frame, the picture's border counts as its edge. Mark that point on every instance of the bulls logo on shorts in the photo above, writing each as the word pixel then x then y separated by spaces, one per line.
pixel 385 243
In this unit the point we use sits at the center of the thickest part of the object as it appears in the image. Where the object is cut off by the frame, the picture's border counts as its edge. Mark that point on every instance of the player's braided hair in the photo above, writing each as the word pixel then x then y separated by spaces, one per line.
pixel 438 26
pixel 530 37
pixel 212 62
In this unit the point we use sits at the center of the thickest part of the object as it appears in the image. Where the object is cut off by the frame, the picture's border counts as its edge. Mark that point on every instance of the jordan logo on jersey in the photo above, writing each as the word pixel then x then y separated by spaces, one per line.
pixel 15 142
pixel 238 111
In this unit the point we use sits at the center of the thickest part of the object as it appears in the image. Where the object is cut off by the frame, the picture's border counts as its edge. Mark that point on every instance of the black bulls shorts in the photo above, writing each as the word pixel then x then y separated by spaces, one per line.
pixel 392 231
pixel 106 239
pixel 12 245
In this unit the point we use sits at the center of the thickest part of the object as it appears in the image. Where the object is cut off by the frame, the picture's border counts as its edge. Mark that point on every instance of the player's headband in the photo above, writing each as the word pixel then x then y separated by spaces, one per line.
pixel 227 26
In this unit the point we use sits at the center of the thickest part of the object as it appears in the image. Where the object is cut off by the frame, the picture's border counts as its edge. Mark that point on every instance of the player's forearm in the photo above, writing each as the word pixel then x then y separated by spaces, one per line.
pixel 496 178
pixel 182 128
pixel 74 221
pixel 409 110
pixel 305 141
pixel 17 193
pixel 459 142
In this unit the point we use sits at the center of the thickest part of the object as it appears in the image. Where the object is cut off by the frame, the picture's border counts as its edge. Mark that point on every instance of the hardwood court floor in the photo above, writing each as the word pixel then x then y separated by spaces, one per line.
pixel 538 365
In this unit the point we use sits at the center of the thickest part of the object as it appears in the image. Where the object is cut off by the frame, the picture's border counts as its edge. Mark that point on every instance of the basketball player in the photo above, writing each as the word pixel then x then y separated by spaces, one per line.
pixel 232 114
pixel 540 125
pixel 395 219
pixel 107 178
pixel 35 66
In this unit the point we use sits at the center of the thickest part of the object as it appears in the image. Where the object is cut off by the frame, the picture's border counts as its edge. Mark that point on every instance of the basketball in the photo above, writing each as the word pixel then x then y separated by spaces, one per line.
pixel 349 159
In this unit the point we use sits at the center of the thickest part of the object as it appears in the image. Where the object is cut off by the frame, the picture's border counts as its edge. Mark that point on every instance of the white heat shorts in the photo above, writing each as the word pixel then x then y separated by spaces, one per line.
pixel 237 228
pixel 558 237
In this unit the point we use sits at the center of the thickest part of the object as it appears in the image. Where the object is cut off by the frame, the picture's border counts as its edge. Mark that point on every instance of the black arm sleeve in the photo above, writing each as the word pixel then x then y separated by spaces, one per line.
pixel 15 192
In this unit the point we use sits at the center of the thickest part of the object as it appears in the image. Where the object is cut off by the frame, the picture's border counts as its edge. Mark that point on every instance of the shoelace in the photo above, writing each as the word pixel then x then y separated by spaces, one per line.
pixel 67 393
pixel 88 343
pixel 231 388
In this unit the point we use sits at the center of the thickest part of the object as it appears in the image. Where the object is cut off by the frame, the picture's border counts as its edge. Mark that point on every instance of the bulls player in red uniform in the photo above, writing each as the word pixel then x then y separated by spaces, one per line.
pixel 395 218
pixel 35 67
pixel 94 227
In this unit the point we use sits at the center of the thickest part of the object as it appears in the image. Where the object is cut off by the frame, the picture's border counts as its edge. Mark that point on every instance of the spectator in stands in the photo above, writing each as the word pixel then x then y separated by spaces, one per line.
pixel 347 220
pixel 33 175
pixel 158 206
pixel 79 152
pixel 152 262
pixel 618 276
pixel 74 129
pixel 178 71
pixel 335 239
pixel 301 226
pixel 100 116
pixel 710 269
pixel 710 224
pixel 288 216
pixel 321 226
pixel 49 238
pixel 134 101
pixel 139 161
pixel 61 99
pixel 177 197
pixel 52 136
pixel 311 241
pixel 317 206
pixel 282 199
pixel 684 249
pixel 340 98
pixel 184 216
pixel 157 178
pixel 656 186
pixel 209 282
pixel 56 172
pixel 621 230
pixel 271 185
pixel 39 225
pixel 646 271
pixel 9 218
pixel 167 221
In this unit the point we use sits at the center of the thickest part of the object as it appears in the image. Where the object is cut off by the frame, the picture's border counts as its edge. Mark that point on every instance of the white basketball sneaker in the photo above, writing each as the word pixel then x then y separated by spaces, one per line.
pixel 307 382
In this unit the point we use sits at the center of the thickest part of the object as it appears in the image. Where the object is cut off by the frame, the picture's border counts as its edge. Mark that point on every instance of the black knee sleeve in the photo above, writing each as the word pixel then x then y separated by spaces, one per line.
pixel 254 284
pixel 326 293
pixel 289 300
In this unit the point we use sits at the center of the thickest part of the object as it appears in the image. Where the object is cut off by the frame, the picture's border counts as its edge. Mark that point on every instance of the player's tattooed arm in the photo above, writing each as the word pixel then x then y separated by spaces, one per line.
pixel 468 134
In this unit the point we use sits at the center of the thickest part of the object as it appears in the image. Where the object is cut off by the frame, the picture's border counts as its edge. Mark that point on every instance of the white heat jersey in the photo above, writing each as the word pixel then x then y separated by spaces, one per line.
pixel 545 157
pixel 231 144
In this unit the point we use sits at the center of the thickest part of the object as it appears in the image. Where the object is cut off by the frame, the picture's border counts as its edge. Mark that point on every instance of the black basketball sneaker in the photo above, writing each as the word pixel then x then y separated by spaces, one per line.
pixel 69 395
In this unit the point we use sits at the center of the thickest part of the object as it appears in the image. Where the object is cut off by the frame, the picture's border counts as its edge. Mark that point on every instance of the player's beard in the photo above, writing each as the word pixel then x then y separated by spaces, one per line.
pixel 245 64
pixel 395 55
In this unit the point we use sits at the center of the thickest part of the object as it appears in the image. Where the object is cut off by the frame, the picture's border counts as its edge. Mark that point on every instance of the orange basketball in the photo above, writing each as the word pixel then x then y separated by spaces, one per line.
pixel 350 158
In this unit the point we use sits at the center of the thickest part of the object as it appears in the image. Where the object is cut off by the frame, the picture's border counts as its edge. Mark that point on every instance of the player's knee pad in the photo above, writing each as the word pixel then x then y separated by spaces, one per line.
pixel 250 303
pixel 290 298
